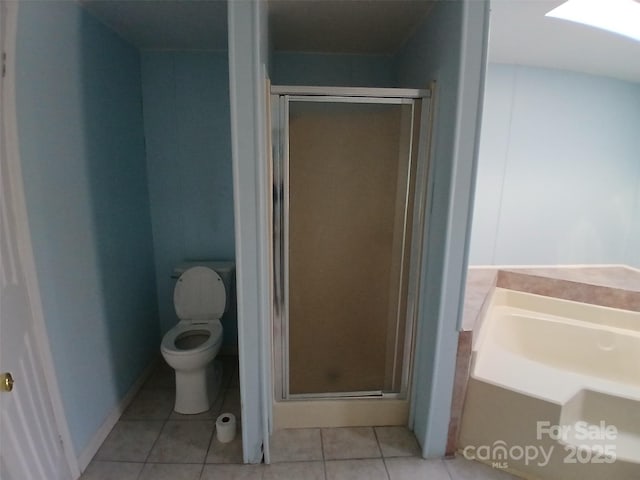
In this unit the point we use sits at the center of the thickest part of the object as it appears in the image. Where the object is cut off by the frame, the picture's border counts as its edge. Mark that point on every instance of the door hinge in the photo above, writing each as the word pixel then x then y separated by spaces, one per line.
pixel 4 64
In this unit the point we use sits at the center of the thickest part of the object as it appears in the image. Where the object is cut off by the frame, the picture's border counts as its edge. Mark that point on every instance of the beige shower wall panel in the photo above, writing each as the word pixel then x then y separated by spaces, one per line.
pixel 343 186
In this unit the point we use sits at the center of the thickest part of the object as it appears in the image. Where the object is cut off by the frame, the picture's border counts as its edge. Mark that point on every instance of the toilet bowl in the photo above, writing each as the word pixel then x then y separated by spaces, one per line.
pixel 190 347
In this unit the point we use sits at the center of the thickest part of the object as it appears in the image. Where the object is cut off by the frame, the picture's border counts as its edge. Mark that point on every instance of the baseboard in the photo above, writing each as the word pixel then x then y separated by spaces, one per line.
pixel 101 434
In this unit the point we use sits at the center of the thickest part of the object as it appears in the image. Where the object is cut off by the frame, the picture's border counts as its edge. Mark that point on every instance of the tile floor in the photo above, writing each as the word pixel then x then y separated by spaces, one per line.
pixel 152 442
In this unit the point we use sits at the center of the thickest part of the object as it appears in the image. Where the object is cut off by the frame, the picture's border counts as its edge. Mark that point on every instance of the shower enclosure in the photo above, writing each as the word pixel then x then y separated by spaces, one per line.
pixel 349 178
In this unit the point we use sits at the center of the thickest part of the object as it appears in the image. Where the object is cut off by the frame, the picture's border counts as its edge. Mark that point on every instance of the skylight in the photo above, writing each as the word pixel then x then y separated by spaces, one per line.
pixel 618 16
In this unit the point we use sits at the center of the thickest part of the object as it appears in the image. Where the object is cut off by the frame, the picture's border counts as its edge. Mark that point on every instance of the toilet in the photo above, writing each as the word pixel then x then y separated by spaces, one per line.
pixel 200 299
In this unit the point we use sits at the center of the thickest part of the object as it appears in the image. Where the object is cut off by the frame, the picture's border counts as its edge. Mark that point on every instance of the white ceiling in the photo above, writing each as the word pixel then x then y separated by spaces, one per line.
pixel 520 33
pixel 165 24
pixel 341 26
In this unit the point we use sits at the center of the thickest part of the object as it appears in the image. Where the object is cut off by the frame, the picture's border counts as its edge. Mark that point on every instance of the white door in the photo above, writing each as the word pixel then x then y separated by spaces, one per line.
pixel 30 444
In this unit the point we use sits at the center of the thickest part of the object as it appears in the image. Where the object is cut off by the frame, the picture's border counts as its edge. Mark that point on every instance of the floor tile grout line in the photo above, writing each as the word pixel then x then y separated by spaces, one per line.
pixel 386 468
pixel 322 445
pixel 349 458
pixel 306 460
pixel 209 444
pixel 139 476
pixel 384 460
pixel 213 431
pixel 202 468
pixel 324 460
pixel 375 434
pixel 146 460
pixel 447 469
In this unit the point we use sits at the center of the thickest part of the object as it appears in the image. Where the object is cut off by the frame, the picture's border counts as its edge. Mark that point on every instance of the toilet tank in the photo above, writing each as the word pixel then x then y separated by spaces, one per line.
pixel 225 268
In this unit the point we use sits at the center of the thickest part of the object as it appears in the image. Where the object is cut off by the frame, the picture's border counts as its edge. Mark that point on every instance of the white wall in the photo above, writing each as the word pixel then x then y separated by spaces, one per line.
pixel 449 47
pixel 248 64
pixel 559 169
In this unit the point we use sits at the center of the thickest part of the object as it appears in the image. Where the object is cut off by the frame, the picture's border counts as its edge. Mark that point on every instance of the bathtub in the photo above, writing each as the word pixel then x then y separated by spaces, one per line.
pixel 559 378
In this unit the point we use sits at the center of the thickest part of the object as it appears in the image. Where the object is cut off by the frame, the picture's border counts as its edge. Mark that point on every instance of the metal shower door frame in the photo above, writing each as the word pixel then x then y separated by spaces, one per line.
pixel 281 96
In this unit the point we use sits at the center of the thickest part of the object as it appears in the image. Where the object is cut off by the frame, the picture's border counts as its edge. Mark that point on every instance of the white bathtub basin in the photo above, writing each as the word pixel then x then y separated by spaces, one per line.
pixel 566 364
pixel 523 346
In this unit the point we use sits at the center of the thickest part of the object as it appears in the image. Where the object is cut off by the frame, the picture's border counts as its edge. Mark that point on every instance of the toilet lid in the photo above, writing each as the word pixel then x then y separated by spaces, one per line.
pixel 199 295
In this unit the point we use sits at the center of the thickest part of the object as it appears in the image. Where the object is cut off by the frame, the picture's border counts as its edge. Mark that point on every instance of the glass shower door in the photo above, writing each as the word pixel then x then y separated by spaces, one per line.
pixel 348 184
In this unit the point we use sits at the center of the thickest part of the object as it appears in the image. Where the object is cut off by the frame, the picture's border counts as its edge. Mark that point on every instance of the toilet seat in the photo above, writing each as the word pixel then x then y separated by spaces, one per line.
pixel 199 295
pixel 213 327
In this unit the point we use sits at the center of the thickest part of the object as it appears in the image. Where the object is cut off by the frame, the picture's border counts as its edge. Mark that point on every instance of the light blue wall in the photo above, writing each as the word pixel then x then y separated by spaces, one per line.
pixel 81 141
pixel 449 47
pixel 187 131
pixel 559 169
pixel 341 70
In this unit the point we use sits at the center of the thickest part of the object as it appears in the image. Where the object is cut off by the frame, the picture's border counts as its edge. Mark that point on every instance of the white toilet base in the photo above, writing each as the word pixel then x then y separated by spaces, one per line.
pixel 196 390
